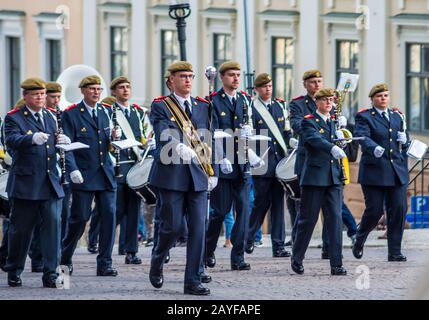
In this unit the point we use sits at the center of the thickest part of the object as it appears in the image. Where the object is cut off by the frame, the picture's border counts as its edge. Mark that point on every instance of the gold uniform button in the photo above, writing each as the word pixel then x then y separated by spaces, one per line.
pixel 275 142
pixel 48 170
pixel 391 140
pixel 391 150
pixel 102 164
pixel 276 153
pixel 98 131
pixel 391 160
pixel 49 158
pixel 99 142
pixel 390 130
pixel 47 147
pixel 101 153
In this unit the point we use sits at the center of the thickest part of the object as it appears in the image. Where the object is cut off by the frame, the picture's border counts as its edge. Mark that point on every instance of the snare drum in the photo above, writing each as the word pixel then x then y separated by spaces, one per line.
pixel 285 172
pixel 3 182
pixel 138 180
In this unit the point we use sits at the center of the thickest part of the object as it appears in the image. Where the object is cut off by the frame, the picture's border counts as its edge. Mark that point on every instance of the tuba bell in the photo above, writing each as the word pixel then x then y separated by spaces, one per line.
pixel 70 78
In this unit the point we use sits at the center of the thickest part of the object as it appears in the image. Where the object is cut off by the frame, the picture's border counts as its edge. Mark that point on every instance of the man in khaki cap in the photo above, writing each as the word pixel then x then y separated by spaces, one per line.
pixel 34 187
pixel 321 184
pixel 91 173
pixel 181 182
pixel 383 171
pixel 269 115
pixel 234 181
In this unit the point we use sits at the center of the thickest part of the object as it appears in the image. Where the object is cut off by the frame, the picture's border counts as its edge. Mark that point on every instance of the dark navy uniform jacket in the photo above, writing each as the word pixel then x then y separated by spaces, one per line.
pixel 33 175
pixel 176 175
pixel 320 168
pixel 299 108
pixel 94 163
pixel 225 117
pixel 135 118
pixel 276 152
pixel 392 167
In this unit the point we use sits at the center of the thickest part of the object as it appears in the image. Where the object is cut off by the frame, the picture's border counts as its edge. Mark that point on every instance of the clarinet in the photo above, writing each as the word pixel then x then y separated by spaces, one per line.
pixel 246 141
pixel 62 152
pixel 117 151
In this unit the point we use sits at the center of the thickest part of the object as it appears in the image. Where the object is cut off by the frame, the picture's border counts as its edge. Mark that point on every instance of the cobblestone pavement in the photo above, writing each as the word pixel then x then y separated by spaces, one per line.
pixel 269 278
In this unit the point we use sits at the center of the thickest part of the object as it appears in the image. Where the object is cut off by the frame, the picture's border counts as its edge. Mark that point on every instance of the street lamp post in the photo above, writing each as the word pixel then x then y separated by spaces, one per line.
pixel 180 10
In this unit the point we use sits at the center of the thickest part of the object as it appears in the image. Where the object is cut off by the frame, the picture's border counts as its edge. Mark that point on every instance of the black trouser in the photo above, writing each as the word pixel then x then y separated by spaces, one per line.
pixel 269 195
pixel 312 200
pixel 173 206
pixel 80 213
pixel 395 200
pixel 25 215
pixel 227 193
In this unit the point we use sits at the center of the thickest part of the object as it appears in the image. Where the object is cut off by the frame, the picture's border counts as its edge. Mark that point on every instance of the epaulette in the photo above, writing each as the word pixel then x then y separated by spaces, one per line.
pixel 13 111
pixel 106 105
pixel 280 100
pixel 245 93
pixel 138 107
pixel 214 93
pixel 309 116
pixel 397 110
pixel 159 99
pixel 71 107
pixel 364 110
pixel 202 100
pixel 297 98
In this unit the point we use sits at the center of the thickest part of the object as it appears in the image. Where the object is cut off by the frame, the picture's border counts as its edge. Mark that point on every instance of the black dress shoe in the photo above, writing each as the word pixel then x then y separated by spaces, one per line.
pixel 357 251
pixel 396 258
pixel 338 271
pixel 14 280
pixel 149 243
pixel 196 290
pixel 288 244
pixel 325 255
pixel 156 279
pixel 37 269
pixel 281 253
pixel 205 278
pixel 250 246
pixel 131 258
pixel 107 272
pixel 211 260
pixel 241 266
pixel 297 267
pixel 50 281
pixel 93 249
pixel 167 259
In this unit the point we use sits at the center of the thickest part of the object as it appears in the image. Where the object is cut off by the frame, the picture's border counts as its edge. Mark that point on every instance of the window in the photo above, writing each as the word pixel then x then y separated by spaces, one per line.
pixel 119 48
pixel 348 62
pixel 283 51
pixel 170 54
pixel 53 59
pixel 418 87
pixel 13 56
pixel 222 52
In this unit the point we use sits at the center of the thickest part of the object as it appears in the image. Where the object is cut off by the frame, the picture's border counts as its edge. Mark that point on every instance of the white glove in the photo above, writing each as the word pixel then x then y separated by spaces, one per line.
pixel 76 177
pixel 117 133
pixel 212 183
pixel 340 135
pixel 246 131
pixel 226 166
pixel 40 138
pixel 378 152
pixel 342 121
pixel 402 138
pixel 185 152
pixel 255 161
pixel 293 143
pixel 151 144
pixel 338 153
pixel 63 139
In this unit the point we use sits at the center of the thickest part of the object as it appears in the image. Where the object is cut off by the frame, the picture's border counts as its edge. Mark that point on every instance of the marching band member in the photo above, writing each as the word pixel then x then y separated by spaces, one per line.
pixel 321 183
pixel 129 118
pixel 91 173
pixel 234 185
pixel 182 182
pixel 269 114
pixel 33 186
pixel 383 171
